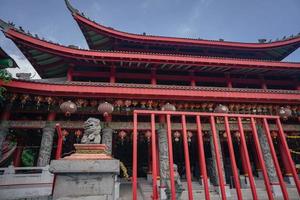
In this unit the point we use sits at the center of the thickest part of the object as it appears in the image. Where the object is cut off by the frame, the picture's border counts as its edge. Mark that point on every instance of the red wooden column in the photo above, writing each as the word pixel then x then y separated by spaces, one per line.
pixel 243 159
pixel 228 80
pixel 192 78
pixel 18 152
pixel 256 161
pixel 153 76
pixel 112 77
pixel 70 73
pixel 285 160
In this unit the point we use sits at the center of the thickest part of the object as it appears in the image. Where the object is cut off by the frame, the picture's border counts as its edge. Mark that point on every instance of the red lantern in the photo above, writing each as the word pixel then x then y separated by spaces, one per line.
pixel 122 134
pixel 105 108
pixel 68 108
pixel 168 107
pixel 176 135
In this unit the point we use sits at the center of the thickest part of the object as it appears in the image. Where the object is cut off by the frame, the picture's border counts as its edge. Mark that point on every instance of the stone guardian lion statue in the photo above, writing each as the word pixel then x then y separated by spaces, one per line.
pixel 92 129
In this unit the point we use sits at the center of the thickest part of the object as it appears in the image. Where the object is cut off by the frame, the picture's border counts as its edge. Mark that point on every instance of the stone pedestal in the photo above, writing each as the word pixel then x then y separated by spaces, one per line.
pixel 86 176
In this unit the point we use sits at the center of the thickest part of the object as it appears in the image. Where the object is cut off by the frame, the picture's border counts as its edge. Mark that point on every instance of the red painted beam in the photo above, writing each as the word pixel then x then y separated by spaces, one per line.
pixel 179 93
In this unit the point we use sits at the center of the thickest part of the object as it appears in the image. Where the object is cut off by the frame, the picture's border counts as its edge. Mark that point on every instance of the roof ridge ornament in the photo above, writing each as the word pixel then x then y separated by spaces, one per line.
pixel 71 8
pixel 5 26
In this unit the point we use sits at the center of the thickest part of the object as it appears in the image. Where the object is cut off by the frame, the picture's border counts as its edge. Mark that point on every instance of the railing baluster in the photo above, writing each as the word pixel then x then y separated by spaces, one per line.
pixel 202 162
pixel 186 158
pixel 261 159
pixel 134 158
pixel 232 159
pixel 218 157
pixel 275 160
pixel 245 153
pixel 288 154
pixel 171 163
pixel 154 165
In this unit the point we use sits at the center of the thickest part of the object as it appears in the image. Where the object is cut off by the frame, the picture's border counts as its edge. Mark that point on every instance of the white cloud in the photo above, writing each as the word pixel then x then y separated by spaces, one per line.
pixel 25 67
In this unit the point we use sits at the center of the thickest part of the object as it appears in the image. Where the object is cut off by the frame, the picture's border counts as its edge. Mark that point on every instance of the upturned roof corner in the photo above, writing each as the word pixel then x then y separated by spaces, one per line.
pixel 71 8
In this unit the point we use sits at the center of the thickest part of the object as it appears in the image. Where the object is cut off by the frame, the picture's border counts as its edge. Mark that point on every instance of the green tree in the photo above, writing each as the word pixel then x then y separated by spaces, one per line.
pixel 5 76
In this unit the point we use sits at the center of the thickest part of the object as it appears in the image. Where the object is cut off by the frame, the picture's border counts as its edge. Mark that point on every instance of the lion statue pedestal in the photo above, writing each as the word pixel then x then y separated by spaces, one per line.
pixel 88 173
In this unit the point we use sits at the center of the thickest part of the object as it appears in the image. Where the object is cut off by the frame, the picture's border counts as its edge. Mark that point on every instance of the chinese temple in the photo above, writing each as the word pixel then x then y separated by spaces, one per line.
pixel 150 93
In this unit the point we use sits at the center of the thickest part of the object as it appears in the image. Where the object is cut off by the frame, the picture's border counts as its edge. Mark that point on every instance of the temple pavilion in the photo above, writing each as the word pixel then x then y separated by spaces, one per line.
pixel 123 77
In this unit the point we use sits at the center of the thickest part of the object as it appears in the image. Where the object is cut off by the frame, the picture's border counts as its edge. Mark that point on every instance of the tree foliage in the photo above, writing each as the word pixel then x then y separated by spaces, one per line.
pixel 5 76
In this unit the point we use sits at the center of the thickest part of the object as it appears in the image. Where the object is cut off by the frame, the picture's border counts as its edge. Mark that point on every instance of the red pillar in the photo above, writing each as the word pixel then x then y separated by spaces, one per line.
pixel 228 80
pixel 285 161
pixel 70 73
pixel 192 78
pixel 243 159
pixel 153 76
pixel 18 152
pixel 112 78
pixel 256 161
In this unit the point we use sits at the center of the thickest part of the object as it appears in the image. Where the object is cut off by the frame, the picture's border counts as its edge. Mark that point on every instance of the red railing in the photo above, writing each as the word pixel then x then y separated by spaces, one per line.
pixel 254 119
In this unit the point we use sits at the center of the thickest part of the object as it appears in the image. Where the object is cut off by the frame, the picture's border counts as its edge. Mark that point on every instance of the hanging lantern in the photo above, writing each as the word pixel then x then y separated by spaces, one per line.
pixel 68 107
pixel 168 107
pixel 105 108
pixel 176 135
pixel 189 136
pixel 148 135
pixel 122 134
pixel 284 113
pixel 221 109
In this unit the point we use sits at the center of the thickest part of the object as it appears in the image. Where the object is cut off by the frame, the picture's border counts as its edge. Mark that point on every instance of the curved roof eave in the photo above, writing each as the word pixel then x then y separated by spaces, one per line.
pixel 175 40
pixel 145 57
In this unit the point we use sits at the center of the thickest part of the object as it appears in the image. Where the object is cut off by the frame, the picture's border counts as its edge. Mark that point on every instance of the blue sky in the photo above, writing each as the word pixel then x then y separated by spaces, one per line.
pixel 232 20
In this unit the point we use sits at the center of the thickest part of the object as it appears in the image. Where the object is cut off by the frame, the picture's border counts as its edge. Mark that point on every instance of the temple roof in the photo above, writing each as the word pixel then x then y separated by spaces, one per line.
pixel 102 37
pixel 119 90
pixel 53 60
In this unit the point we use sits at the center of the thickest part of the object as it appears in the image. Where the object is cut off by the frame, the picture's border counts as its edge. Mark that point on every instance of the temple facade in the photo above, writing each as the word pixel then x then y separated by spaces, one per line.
pixel 226 113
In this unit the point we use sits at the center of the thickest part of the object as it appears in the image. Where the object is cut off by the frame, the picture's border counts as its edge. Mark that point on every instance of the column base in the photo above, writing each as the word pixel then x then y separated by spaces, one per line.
pixel 149 177
pixel 245 183
pixel 289 179
pixel 260 174
pixel 227 190
pixel 202 182
pixel 276 190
